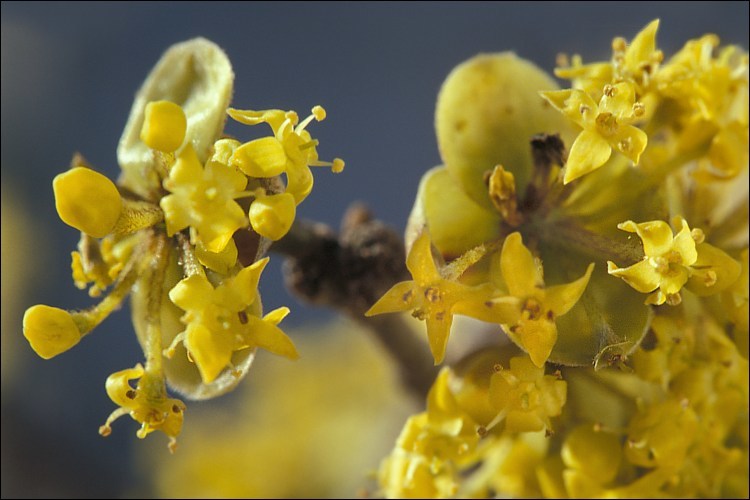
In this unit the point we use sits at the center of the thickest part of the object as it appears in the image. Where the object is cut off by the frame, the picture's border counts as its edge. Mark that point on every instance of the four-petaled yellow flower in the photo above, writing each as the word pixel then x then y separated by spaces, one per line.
pixel 148 404
pixel 525 397
pixel 431 297
pixel 424 463
pixel 219 321
pixel 674 261
pixel 535 330
pixel 203 198
pixel 291 150
pixel 605 126
pixel 666 264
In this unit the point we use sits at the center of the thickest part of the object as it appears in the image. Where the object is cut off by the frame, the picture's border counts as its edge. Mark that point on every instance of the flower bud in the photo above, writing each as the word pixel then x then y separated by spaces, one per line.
pixel 87 201
pixel 50 330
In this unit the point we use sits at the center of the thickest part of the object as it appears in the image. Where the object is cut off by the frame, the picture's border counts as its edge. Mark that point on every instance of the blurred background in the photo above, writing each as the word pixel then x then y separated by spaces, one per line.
pixel 313 428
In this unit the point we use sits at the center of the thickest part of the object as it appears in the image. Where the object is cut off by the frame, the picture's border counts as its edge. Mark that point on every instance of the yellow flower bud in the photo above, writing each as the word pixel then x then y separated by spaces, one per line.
pixel 272 216
pixel 50 330
pixel 164 126
pixel 87 201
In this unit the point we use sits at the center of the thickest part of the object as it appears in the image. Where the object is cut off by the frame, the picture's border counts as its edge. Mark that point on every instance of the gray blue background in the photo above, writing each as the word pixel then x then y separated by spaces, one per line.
pixel 70 70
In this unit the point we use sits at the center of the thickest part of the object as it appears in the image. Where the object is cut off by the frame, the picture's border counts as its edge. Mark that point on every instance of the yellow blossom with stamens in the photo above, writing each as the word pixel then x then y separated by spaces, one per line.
pixel 87 201
pixel 164 126
pixel 665 265
pixel 147 404
pixel 203 198
pixel 536 331
pixel 671 260
pixel 638 61
pixel 291 150
pixel 219 322
pixel 435 299
pixel 525 397
pixel 606 126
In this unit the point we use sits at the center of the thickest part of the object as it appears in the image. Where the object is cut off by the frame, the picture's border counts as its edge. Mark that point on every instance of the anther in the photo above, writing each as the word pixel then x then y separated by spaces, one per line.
pixel 674 299
pixel 432 294
pixel 319 113
pixel 710 278
pixel 698 235
pixel 619 44
pixel 243 317
pixel 609 90
pixel 639 109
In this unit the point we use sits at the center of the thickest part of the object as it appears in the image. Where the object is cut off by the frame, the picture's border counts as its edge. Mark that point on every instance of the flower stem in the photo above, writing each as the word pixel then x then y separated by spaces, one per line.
pixel 155 275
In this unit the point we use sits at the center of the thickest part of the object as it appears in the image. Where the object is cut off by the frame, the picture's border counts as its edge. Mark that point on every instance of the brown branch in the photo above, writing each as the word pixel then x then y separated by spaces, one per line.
pixel 349 272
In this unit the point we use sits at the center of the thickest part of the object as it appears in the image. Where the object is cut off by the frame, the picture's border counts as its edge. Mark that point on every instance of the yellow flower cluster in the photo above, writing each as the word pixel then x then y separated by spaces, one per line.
pixel 167 234
pixel 453 436
pixel 651 198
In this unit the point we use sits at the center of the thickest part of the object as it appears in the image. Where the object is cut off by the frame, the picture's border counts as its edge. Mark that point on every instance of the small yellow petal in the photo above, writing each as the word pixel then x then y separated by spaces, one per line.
pixel 261 158
pixel 399 298
pixel 242 290
pixel 266 335
pixel 642 276
pixel 420 263
pixel 642 46
pixel 87 201
pixel 164 126
pixel 656 236
pixel 501 310
pixel 438 331
pixel 561 298
pixel 299 182
pixel 588 152
pixel 684 244
pixel 538 337
pixel 520 270
pixel 192 293
pixel 117 386
pixel 50 330
pixel 211 351
pixel 221 262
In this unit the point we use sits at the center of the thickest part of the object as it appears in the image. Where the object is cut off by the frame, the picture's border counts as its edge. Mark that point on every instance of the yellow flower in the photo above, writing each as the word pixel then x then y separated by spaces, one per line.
pixel 653 430
pixel 638 61
pixel 670 260
pixel 100 261
pixel 434 298
pixel 291 150
pixel 146 404
pixel 535 331
pixel 635 63
pixel 525 397
pixel 431 448
pixel 605 126
pixel 665 265
pixel 203 198
pixel 219 322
